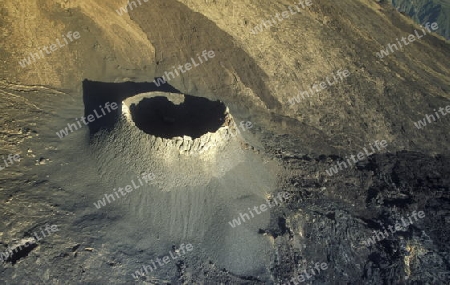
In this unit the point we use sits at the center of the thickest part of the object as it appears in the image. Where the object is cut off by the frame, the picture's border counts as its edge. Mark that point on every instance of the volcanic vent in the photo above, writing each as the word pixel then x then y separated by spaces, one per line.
pixel 188 123
pixel 205 174
pixel 194 117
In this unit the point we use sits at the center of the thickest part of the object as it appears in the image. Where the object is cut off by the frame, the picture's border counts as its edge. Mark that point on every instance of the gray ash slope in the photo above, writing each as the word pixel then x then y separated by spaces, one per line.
pixel 191 199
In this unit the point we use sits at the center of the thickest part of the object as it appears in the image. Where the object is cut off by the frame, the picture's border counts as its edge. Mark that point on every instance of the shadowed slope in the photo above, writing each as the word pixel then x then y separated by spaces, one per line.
pixel 190 34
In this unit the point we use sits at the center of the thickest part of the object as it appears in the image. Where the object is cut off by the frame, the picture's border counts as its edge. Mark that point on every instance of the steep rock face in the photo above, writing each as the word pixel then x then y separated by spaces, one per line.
pixel 423 11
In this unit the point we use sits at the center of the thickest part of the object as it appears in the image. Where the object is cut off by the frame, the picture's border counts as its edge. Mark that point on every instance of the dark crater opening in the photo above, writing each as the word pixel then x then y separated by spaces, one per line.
pixel 194 117
pixel 96 94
